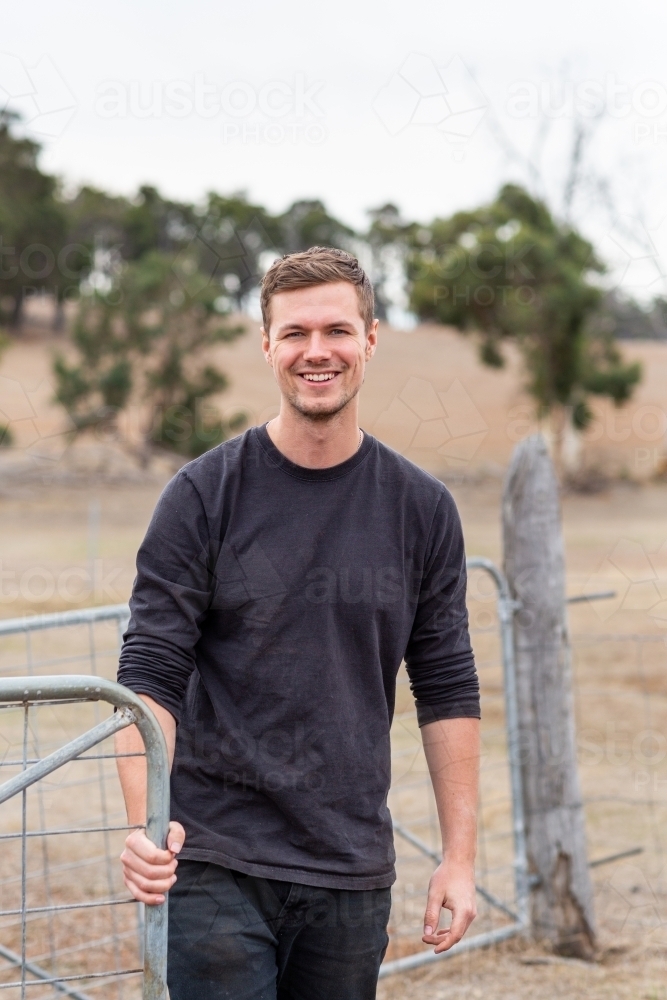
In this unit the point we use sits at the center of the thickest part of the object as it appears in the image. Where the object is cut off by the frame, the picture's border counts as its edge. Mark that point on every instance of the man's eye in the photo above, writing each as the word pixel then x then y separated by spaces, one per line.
pixel 339 331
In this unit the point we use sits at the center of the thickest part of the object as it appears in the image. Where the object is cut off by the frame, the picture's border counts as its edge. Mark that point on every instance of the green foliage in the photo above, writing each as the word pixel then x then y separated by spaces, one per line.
pixel 148 341
pixel 228 241
pixel 96 218
pixel 307 223
pixel 388 238
pixel 6 436
pixel 190 426
pixel 510 271
pixel 154 223
pixel 33 227
pixel 232 237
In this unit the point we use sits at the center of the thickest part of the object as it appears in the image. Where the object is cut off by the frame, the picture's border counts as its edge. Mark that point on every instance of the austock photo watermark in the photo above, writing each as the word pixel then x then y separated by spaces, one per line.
pixel 272 112
pixel 73 585
pixel 442 97
pixel 220 251
pixel 638 578
pixel 643 104
pixel 640 427
pixel 47 266
pixel 32 426
pixel 635 899
pixel 217 251
pixel 636 250
pixel 271 760
pixel 38 93
pixel 638 755
pixel 27 419
pixel 426 416
pixel 446 97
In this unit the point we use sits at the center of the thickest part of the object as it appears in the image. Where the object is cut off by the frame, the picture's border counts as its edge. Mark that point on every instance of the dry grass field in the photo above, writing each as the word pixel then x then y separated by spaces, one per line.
pixel 427 396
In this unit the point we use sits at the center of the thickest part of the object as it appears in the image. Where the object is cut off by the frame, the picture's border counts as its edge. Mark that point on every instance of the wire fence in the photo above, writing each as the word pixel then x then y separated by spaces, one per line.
pixel 620 688
pixel 64 911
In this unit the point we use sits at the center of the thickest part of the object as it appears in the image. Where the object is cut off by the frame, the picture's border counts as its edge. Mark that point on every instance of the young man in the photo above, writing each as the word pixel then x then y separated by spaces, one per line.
pixel 284 577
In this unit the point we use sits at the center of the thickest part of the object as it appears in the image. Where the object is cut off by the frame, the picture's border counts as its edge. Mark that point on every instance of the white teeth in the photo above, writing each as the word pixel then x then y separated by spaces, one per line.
pixel 319 378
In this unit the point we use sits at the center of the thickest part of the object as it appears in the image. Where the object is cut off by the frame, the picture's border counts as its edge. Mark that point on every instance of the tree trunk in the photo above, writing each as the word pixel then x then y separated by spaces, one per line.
pixel 16 318
pixel 565 445
pixel 558 423
pixel 58 321
pixel 561 895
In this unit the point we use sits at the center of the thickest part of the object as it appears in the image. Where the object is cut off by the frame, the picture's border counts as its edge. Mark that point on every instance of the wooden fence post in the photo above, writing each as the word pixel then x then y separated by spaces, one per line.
pixel 561 893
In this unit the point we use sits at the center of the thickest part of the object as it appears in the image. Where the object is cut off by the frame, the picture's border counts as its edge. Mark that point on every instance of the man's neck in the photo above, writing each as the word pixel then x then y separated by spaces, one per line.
pixel 316 444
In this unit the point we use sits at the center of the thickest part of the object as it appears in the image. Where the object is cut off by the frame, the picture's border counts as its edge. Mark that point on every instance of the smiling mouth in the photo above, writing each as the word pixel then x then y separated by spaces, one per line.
pixel 318 376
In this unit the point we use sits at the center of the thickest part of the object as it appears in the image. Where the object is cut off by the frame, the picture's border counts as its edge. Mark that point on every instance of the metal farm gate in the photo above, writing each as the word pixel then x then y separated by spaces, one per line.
pixel 67 926
pixel 501 875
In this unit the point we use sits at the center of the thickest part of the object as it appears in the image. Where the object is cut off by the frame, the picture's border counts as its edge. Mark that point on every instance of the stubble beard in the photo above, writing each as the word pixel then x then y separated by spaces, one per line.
pixel 321 412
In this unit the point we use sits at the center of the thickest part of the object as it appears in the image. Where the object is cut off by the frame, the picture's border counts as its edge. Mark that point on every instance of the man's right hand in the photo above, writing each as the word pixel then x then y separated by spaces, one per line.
pixel 149 872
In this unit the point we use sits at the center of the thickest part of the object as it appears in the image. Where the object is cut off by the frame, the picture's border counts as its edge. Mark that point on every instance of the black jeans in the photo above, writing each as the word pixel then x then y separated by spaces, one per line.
pixel 238 937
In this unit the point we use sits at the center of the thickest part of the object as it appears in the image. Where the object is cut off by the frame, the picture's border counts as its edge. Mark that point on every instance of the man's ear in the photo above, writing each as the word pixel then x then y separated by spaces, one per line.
pixel 266 346
pixel 372 339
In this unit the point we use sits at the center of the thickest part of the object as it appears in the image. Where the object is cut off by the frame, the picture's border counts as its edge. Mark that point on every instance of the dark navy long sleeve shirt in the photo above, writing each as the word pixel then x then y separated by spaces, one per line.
pixel 272 608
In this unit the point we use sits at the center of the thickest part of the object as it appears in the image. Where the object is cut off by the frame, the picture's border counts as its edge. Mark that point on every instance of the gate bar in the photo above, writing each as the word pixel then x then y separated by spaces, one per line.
pixel 41 974
pixel 56 619
pixel 120 720
pixel 507 607
pixel 24 690
pixel 467 944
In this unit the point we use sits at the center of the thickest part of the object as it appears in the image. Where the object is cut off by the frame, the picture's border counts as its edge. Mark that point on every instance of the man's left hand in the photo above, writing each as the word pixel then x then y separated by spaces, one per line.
pixel 452 886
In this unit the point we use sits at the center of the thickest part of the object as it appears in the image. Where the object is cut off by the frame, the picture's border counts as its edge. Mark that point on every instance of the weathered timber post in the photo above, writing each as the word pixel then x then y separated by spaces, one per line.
pixel 561 892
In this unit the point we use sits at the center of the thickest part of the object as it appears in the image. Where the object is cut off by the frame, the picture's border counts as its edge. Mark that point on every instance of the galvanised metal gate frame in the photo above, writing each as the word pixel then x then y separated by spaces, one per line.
pixel 519 911
pixel 130 710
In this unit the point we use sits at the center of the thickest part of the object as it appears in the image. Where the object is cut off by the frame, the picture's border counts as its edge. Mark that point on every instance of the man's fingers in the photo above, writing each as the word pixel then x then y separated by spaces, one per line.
pixel 459 925
pixel 462 917
pixel 150 898
pixel 433 908
pixel 175 837
pixel 456 895
pixel 139 844
pixel 450 937
pixel 137 864
pixel 149 885
pixel 148 871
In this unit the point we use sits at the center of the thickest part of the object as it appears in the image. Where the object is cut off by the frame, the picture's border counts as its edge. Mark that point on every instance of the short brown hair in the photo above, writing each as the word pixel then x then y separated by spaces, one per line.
pixel 317 266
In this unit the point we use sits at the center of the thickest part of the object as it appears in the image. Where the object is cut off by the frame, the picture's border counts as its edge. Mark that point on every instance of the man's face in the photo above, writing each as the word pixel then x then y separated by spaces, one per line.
pixel 318 347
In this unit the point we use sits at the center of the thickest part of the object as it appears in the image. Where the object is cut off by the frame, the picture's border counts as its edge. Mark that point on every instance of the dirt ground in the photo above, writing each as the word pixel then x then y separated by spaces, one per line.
pixel 70 526
pixel 518 971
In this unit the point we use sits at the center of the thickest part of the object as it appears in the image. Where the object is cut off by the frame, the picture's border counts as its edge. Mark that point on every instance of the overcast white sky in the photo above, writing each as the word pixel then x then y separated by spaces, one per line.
pixel 355 102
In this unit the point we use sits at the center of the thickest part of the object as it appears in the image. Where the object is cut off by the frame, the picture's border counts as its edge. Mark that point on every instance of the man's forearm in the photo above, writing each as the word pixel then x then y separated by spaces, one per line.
pixel 452 753
pixel 132 770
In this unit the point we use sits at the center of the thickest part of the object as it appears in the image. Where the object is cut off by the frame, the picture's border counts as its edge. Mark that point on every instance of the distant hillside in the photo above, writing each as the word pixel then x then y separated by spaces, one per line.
pixel 426 395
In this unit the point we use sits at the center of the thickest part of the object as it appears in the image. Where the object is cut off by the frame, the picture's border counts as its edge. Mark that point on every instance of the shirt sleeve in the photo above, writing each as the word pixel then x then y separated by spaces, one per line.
pixel 439 657
pixel 170 598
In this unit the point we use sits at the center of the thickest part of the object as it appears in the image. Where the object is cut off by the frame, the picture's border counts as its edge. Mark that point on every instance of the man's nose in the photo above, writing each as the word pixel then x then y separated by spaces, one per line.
pixel 317 348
